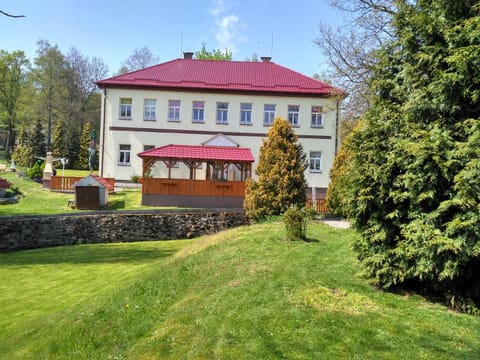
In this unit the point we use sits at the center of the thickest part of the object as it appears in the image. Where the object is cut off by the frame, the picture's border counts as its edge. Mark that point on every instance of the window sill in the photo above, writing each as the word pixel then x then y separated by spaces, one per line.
pixel 124 164
pixel 221 123
pixel 316 171
pixel 124 118
pixel 317 126
pixel 149 119
pixel 198 121
pixel 174 120
pixel 246 124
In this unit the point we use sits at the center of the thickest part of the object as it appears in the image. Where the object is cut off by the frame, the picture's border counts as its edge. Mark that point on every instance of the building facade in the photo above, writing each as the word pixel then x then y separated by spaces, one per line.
pixel 221 103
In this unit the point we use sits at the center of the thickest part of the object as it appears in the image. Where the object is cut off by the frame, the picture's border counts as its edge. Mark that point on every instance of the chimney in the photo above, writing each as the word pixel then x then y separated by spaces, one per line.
pixel 266 58
pixel 188 55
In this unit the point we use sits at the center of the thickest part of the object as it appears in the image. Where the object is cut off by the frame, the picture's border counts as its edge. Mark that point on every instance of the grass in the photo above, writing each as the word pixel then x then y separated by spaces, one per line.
pixel 37 200
pixel 246 293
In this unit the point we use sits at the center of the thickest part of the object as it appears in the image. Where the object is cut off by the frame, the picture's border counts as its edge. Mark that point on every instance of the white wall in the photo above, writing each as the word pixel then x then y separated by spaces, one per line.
pixel 244 135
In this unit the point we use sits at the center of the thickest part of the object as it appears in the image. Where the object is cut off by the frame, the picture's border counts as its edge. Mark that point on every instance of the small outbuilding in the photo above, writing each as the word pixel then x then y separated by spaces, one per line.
pixel 91 193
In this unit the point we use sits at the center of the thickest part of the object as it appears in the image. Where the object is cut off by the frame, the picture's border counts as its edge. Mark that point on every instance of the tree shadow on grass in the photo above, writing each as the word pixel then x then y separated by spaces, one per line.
pixel 86 254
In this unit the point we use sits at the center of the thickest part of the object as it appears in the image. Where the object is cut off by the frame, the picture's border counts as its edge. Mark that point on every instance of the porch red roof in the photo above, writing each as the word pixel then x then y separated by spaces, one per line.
pixel 222 75
pixel 200 153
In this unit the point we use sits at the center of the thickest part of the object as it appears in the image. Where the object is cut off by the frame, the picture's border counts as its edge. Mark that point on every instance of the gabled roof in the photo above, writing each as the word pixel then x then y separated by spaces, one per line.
pixel 94 180
pixel 200 153
pixel 216 75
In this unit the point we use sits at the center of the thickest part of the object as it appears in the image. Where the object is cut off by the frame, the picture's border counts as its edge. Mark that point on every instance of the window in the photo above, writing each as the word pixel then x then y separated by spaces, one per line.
pixel 317 116
pixel 293 111
pixel 124 155
pixel 315 161
pixel 222 113
pixel 174 110
pixel 125 108
pixel 245 114
pixel 150 109
pixel 268 114
pixel 148 147
pixel 198 111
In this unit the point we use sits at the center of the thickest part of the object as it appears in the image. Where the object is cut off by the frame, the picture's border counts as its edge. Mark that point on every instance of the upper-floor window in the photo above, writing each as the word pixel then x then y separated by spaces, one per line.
pixel 124 154
pixel 245 113
pixel 125 108
pixel 222 112
pixel 198 111
pixel 293 111
pixel 148 147
pixel 317 120
pixel 268 114
pixel 150 109
pixel 174 110
pixel 315 161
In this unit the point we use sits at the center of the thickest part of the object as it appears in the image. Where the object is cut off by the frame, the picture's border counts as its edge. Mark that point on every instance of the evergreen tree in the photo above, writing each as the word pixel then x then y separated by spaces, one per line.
pixel 23 154
pixel 38 139
pixel 410 188
pixel 59 141
pixel 281 180
pixel 84 146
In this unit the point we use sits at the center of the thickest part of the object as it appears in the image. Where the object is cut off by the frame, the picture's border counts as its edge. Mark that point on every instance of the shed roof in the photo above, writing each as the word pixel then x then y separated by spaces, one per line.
pixel 200 153
pixel 223 75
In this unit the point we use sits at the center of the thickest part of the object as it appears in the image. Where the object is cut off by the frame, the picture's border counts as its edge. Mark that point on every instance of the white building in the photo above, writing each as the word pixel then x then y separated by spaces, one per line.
pixel 206 102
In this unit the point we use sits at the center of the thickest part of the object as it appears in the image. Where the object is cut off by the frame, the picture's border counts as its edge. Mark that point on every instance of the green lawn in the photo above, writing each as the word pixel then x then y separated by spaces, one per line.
pixel 246 293
pixel 37 200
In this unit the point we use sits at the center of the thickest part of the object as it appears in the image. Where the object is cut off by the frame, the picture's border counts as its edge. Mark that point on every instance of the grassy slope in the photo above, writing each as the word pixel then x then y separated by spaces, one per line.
pixel 253 295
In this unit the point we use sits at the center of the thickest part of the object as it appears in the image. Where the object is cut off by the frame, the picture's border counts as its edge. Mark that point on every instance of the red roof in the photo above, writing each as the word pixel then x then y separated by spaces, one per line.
pixel 217 75
pixel 200 153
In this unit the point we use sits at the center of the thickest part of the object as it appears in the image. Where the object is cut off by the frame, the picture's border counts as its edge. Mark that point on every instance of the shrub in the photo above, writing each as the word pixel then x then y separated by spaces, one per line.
pixel 134 178
pixel 36 171
pixel 295 220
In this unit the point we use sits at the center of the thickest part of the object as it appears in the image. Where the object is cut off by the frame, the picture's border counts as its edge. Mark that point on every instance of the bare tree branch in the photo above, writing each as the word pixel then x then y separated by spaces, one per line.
pixel 10 15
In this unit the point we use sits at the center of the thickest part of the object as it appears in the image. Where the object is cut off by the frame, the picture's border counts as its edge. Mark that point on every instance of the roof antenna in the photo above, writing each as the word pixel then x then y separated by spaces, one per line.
pixel 181 44
pixel 271 48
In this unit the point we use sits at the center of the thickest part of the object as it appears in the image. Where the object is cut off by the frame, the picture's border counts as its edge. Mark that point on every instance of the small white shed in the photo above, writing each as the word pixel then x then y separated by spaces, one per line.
pixel 90 193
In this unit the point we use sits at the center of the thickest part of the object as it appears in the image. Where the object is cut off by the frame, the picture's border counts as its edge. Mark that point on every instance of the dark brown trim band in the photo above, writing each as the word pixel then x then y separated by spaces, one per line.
pixel 206 132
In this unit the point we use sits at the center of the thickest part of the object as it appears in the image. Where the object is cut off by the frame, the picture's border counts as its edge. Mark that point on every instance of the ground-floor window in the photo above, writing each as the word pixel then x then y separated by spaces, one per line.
pixel 124 154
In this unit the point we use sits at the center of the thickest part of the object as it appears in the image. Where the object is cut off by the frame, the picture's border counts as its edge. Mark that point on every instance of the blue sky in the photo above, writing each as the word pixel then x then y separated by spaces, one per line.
pixel 111 29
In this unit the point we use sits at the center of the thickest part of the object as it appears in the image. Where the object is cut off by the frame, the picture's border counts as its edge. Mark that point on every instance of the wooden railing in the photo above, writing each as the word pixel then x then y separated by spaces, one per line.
pixel 193 187
pixel 320 205
pixel 66 183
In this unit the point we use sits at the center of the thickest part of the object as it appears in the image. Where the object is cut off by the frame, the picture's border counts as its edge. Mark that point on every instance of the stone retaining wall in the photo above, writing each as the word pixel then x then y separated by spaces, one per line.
pixel 30 232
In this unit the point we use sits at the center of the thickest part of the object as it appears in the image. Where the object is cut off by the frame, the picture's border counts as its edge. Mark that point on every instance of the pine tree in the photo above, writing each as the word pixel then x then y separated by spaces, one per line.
pixel 412 184
pixel 281 180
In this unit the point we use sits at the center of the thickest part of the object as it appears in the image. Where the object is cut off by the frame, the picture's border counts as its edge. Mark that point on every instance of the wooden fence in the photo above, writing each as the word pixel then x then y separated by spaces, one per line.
pixel 193 187
pixel 67 183
pixel 320 205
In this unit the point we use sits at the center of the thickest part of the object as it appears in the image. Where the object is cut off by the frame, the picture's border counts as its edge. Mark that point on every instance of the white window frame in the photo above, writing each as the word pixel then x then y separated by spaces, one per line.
pixel 268 114
pixel 293 115
pixel 174 110
pixel 316 117
pixel 125 109
pixel 150 109
pixel 222 113
pixel 124 155
pixel 315 163
pixel 246 113
pixel 148 147
pixel 198 111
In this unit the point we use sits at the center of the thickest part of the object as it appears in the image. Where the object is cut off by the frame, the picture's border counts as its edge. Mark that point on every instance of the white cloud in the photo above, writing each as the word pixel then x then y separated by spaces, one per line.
pixel 226 26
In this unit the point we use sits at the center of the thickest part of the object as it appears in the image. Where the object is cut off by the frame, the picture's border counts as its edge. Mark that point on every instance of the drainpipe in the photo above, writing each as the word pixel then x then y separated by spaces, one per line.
pixel 103 130
pixel 337 127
